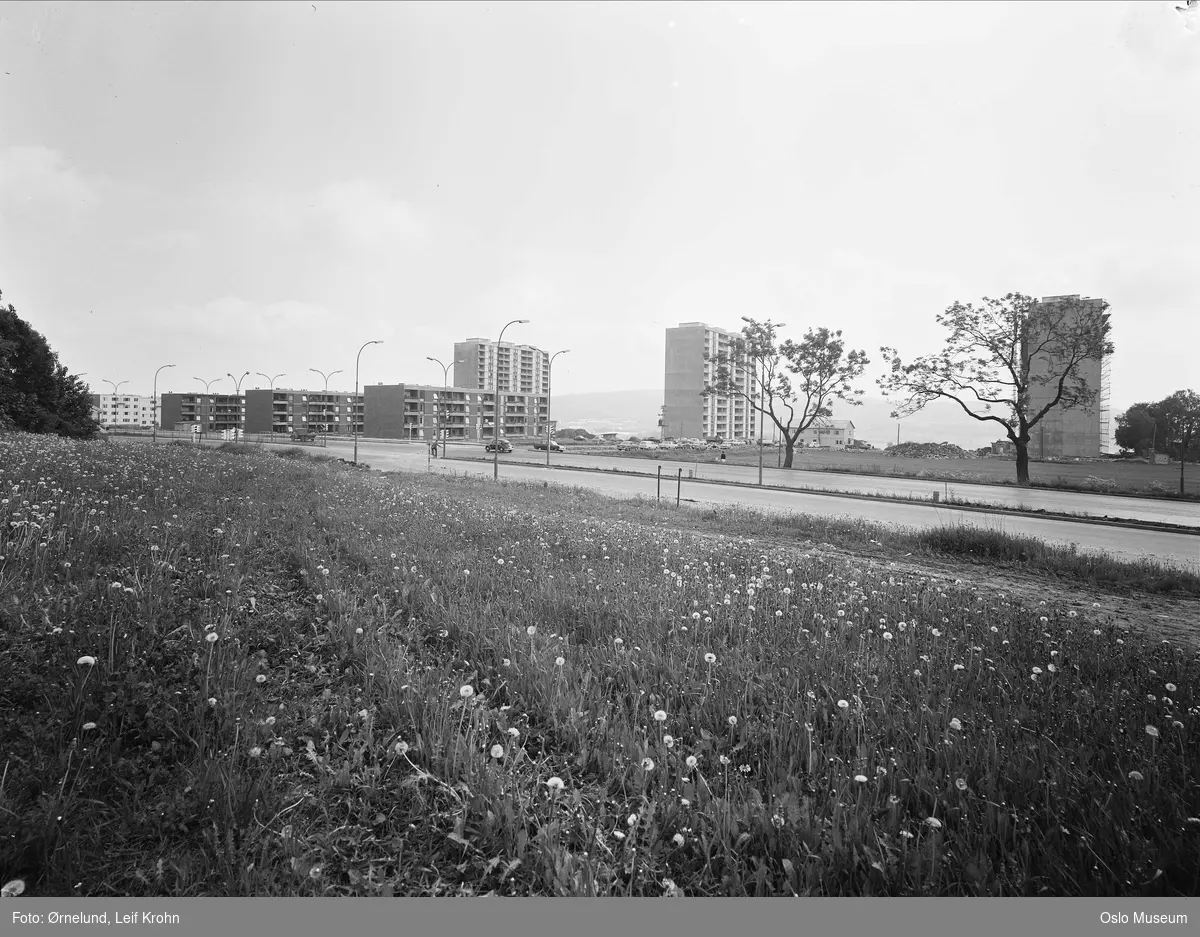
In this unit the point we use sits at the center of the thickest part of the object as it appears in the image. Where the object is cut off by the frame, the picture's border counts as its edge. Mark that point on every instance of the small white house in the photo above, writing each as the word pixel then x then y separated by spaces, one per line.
pixel 836 434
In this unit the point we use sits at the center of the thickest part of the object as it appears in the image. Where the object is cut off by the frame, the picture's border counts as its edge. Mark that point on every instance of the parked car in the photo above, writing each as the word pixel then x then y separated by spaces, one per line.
pixel 554 447
pixel 504 446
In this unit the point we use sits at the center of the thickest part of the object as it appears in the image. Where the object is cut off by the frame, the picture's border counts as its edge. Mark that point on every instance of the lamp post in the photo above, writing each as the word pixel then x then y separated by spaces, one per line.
pixel 496 403
pixel 549 387
pixel 115 386
pixel 237 390
pixel 354 401
pixel 154 430
pixel 329 375
pixel 442 402
pixel 270 378
pixel 207 384
pixel 757 378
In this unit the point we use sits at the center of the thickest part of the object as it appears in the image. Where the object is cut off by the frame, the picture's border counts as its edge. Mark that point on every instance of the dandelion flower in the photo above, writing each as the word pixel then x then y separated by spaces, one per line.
pixel 1152 732
pixel 934 823
pixel 955 724
pixel 1135 776
pixel 618 834
pixel 631 820
pixel 466 691
pixel 677 839
pixel 887 636
pixel 212 701
pixel 733 720
pixel 17 886
pixel 86 661
pixel 1170 687
pixel 669 741
pixel 531 630
pixel 497 751
pixel 691 761
pixel 647 764
pixel 843 705
pixel 724 760
pixel 211 637
pixel 861 778
pixel 401 748
pixel 710 658
pixel 961 784
pixel 89 725
pixel 261 678
pixel 555 783
pixel 660 716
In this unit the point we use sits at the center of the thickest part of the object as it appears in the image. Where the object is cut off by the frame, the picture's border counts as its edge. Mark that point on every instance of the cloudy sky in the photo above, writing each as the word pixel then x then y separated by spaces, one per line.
pixel 265 186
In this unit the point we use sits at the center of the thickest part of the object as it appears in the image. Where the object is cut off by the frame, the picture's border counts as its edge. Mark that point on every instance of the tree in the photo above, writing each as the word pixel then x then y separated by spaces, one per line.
pixel 760 370
pixel 1182 413
pixel 1011 354
pixel 1137 428
pixel 37 394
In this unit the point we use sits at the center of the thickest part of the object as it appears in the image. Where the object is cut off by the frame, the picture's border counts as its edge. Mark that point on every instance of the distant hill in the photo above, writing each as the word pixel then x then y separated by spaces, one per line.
pixel 635 412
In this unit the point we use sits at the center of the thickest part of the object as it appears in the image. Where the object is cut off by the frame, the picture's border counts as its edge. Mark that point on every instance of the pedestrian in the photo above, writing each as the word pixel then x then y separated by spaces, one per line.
pixel 433 450
pixel 722 456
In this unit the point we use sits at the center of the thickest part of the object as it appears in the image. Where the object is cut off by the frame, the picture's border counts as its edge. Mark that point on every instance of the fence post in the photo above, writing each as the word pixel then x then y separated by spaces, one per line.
pixel 678 487
pixel 658 490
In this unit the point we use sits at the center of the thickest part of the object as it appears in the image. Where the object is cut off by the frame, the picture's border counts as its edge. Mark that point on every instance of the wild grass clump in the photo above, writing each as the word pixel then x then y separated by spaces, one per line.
pixel 238 674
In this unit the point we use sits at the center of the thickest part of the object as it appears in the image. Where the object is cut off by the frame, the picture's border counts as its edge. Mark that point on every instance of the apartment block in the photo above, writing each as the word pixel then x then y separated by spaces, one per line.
pixel 297 410
pixel 123 409
pixel 391 411
pixel 523 369
pixel 687 412
pixel 836 434
pixel 213 413
pixel 1075 432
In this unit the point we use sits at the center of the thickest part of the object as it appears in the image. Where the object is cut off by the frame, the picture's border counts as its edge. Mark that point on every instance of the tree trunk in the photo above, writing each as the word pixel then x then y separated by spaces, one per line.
pixel 787 459
pixel 1182 461
pixel 1023 463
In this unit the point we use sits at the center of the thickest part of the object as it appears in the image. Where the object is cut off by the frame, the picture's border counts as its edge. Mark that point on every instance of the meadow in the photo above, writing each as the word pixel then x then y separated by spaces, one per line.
pixel 244 673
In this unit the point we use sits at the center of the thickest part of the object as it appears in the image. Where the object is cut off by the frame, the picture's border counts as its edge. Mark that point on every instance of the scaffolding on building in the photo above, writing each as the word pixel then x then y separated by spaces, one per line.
pixel 1105 410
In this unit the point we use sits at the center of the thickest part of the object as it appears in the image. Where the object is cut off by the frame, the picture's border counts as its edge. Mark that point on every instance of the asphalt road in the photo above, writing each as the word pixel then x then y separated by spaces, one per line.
pixel 1179 549
pixel 1182 513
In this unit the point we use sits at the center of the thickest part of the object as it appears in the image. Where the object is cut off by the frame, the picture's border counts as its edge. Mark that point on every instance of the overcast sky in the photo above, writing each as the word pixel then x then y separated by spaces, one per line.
pixel 263 187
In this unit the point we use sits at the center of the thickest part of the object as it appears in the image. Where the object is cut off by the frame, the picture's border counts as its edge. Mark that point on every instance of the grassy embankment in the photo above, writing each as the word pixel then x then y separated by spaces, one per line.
pixel 233 673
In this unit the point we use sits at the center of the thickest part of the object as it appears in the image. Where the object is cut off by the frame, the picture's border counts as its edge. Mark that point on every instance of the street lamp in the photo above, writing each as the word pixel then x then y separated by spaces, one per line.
pixel 237 390
pixel 549 372
pixel 154 431
pixel 496 403
pixel 270 378
pixel 207 384
pixel 115 386
pixel 326 376
pixel 354 401
pixel 445 395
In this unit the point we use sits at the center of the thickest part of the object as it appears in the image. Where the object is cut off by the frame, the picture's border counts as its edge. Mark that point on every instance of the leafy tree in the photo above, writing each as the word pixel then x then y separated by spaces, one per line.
pixel 1182 413
pixel 792 383
pixel 997 355
pixel 1137 428
pixel 37 394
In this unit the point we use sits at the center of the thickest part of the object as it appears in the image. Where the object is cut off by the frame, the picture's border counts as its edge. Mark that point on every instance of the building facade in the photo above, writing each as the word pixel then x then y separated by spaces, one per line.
pixel 687 412
pixel 123 410
pixel 297 410
pixel 1076 432
pixel 384 411
pixel 213 413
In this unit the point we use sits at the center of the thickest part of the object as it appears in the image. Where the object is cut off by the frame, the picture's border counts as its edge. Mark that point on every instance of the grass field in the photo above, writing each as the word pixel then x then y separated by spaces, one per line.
pixel 1113 477
pixel 236 672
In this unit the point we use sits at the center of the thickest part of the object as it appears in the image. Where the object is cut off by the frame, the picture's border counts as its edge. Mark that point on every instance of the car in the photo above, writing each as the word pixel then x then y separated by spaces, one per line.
pixel 554 447
pixel 503 446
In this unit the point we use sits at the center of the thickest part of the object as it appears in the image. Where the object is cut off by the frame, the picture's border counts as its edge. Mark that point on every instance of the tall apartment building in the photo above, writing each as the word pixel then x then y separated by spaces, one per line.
pixel 524 369
pixel 213 413
pixel 686 411
pixel 1077 432
pixel 123 409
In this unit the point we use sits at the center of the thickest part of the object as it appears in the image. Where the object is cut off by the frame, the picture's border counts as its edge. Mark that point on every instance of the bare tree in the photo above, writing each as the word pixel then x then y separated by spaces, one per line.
pixel 997 355
pixel 792 383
